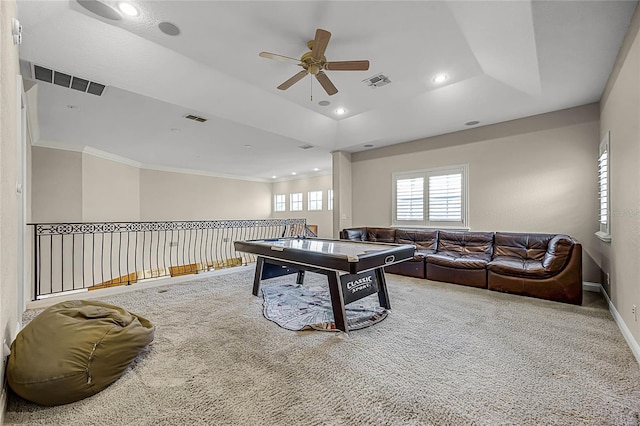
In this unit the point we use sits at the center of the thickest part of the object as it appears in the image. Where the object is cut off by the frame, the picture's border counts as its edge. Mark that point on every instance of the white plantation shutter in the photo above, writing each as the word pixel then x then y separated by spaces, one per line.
pixel 410 199
pixel 445 198
pixel 604 176
pixel 603 179
pixel 431 198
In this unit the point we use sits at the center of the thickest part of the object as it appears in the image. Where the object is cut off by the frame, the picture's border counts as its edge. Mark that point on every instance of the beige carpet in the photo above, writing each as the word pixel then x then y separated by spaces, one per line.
pixel 445 355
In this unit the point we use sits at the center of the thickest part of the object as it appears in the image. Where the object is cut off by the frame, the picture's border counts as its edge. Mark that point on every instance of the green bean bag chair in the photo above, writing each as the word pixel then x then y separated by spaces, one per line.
pixel 75 349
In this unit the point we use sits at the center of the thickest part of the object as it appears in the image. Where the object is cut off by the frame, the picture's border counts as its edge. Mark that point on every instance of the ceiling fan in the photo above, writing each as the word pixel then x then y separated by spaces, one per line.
pixel 314 62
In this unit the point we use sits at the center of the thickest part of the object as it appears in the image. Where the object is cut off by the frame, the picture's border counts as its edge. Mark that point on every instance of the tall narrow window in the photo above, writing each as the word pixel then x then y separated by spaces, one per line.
pixel 296 202
pixel 314 200
pixel 604 194
pixel 330 199
pixel 279 203
pixel 431 198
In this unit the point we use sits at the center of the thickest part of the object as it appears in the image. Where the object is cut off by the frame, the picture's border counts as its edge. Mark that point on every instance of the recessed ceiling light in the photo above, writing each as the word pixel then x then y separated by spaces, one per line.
pixel 293 173
pixel 340 111
pixel 174 129
pixel 169 29
pixel 316 169
pixel 247 146
pixel 324 103
pixel 368 145
pixel 440 78
pixel 472 123
pixel 72 107
pixel 128 9
pixel 273 177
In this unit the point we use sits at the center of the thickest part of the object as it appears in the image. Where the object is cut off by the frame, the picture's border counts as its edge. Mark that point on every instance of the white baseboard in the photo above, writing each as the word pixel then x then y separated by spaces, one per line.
pixel 633 345
pixel 588 286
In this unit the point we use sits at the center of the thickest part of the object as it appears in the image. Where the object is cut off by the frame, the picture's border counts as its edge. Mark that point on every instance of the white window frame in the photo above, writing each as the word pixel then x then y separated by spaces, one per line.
pixel 329 199
pixel 604 189
pixel 314 200
pixel 280 203
pixel 295 202
pixel 424 221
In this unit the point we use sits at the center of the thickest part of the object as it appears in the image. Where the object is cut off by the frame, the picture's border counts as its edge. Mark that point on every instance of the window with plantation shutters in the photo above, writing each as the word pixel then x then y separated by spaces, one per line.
pixel 431 198
pixel 410 199
pixel 603 191
pixel 445 198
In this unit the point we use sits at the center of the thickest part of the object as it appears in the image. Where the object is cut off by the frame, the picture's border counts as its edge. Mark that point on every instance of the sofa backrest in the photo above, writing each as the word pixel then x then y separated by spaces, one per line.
pixel 381 235
pixel 465 242
pixel 521 245
pixel 423 239
pixel 354 234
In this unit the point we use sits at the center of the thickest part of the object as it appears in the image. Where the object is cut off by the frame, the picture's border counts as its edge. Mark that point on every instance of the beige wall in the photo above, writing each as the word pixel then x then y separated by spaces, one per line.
pixel 9 118
pixel 56 185
pixel 317 183
pixel 181 196
pixel 530 175
pixel 70 186
pixel 110 190
pixel 620 115
pixel 343 185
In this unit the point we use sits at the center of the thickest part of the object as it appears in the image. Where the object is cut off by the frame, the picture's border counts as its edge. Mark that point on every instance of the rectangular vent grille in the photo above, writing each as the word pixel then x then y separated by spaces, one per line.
pixel 377 80
pixel 305 146
pixel 68 81
pixel 196 118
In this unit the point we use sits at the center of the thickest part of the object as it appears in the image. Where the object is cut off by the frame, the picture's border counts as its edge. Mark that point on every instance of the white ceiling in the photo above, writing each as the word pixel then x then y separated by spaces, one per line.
pixel 505 60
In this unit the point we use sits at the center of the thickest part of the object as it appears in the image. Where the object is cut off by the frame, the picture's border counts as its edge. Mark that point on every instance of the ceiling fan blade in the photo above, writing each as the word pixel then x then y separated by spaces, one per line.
pixel 280 58
pixel 320 43
pixel 347 66
pixel 293 80
pixel 326 84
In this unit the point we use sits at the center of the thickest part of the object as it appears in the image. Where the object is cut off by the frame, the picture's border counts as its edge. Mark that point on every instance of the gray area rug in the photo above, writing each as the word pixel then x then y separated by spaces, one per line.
pixel 308 307
pixel 445 355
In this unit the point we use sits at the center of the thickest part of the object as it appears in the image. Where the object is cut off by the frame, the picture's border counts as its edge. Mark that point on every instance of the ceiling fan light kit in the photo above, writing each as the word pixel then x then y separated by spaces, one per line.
pixel 315 63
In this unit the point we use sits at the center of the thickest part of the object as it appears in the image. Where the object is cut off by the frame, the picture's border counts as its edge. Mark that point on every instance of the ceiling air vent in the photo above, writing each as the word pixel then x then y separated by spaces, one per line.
pixel 66 80
pixel 307 146
pixel 195 118
pixel 377 80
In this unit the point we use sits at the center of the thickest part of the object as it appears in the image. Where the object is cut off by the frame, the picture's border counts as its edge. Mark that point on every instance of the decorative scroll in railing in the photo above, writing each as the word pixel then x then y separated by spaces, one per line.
pixel 77 256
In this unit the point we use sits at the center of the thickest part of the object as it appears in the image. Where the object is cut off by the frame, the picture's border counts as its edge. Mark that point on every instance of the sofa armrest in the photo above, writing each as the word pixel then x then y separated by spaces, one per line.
pixel 354 234
pixel 558 253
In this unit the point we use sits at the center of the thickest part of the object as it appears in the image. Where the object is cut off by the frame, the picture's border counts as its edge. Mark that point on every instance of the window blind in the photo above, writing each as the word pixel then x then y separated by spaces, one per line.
pixel 410 199
pixel 603 184
pixel 445 198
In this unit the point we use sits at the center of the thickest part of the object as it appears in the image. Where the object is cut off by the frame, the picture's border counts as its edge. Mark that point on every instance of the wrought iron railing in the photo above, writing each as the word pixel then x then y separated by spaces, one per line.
pixel 78 256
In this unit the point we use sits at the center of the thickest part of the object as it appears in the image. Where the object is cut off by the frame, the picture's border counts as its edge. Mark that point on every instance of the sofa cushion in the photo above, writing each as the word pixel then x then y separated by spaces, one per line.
pixel 523 246
pixel 381 235
pixel 530 255
pixel 453 259
pixel 423 239
pixel 526 268
pixel 465 242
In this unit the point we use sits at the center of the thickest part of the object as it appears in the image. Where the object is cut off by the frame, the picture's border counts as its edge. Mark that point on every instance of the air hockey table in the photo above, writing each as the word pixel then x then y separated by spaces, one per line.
pixel 354 269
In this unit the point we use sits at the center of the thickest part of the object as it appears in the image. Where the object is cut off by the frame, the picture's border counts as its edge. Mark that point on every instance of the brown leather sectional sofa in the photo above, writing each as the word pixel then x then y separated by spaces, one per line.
pixel 545 266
